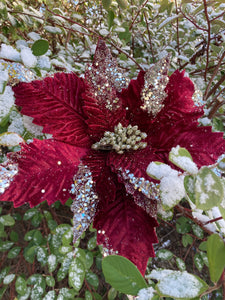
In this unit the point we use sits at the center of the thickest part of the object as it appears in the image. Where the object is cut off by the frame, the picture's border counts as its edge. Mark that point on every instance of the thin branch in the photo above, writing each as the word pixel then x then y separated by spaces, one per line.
pixel 177 29
pixel 207 93
pixel 149 37
pixel 138 12
pixel 209 36
pixel 192 21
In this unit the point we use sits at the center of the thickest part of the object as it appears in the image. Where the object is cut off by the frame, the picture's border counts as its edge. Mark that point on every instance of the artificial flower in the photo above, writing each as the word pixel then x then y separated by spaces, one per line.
pixel 106 130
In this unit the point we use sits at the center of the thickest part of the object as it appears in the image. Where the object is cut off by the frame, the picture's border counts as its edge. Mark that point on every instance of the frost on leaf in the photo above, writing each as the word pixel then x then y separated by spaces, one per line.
pixel 178 285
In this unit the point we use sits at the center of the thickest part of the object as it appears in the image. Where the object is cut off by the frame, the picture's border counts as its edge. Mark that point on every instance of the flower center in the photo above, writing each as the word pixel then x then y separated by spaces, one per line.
pixel 123 138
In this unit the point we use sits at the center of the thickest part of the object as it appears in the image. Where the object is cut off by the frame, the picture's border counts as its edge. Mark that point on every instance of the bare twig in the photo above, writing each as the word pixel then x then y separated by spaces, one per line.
pixel 209 37
pixel 149 37
pixel 206 94
pixel 138 12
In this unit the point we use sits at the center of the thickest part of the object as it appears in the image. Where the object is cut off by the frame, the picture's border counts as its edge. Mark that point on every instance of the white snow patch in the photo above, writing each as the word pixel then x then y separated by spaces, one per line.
pixel 44 62
pixel 34 36
pixel 3 79
pixel 20 44
pixel 184 162
pixel 204 219
pixel 159 170
pixel 6 101
pixel 8 52
pixel 205 121
pixel 28 59
pixel 146 294
pixel 31 127
pixel 10 139
pixel 180 285
pixel 52 29
pixel 16 123
pixel 172 189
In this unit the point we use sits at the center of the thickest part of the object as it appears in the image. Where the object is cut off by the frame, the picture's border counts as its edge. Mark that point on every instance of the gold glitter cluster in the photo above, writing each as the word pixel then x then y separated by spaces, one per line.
pixel 105 78
pixel 123 138
pixel 153 93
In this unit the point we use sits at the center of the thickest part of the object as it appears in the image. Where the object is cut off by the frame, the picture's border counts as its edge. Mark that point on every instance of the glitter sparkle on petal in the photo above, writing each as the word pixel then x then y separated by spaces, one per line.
pixel 17 72
pixel 105 78
pixel 7 172
pixel 85 201
pixel 146 193
pixel 153 93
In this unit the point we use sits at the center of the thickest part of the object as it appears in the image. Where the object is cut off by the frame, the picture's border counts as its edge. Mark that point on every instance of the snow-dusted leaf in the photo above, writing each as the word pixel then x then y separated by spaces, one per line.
pixel 182 158
pixel 8 278
pixel 21 285
pixel 52 262
pixel 164 254
pixel 76 274
pixel 177 284
pixel 208 189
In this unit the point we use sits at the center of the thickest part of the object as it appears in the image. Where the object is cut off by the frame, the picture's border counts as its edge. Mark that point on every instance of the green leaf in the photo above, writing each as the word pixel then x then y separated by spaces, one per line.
pixel 2 291
pixel 183 225
pixel 199 263
pixel 164 254
pixel 14 252
pixel 14 237
pixel 181 158
pixel 112 293
pixel 181 264
pixel 40 47
pixel 76 274
pixel 163 6
pixel 197 231
pixel 216 256
pixel 52 262
pixel 189 185
pixel 208 189
pixel 63 270
pixel 29 253
pixel 42 255
pixel 203 246
pixel 30 213
pixel 92 279
pixel 92 243
pixel 50 281
pixel 3 273
pixel 4 246
pixel 67 237
pixel 37 237
pixel 122 3
pixel 7 220
pixel 21 285
pixel 9 278
pixel 110 18
pixel 106 4
pixel 67 294
pixel 50 295
pixel 122 274
pixel 187 240
pixel 88 295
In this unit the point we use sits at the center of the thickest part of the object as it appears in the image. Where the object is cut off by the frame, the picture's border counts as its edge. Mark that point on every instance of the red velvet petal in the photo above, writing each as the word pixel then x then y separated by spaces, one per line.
pixel 46 170
pixel 126 228
pixel 56 104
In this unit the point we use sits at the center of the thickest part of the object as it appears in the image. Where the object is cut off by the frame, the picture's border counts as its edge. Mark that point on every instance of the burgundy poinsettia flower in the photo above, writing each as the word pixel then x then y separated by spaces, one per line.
pixel 105 133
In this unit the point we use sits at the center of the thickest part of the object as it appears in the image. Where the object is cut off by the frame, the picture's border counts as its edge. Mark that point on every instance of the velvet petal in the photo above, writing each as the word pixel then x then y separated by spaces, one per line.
pixel 46 170
pixel 56 104
pixel 125 228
